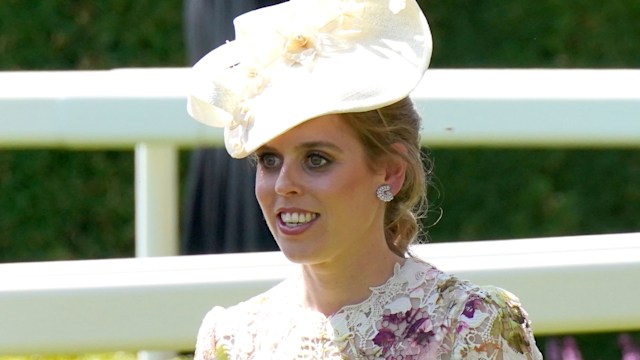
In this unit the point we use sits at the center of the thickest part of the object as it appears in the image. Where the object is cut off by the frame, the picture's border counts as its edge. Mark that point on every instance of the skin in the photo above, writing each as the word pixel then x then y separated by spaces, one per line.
pixel 319 169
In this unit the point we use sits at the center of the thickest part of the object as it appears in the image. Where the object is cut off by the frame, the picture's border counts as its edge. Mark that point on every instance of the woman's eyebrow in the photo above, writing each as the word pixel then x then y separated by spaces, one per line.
pixel 265 148
pixel 305 146
pixel 319 144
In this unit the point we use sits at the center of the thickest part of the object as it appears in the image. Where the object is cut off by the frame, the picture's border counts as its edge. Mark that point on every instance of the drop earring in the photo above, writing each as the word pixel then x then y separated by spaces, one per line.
pixel 384 193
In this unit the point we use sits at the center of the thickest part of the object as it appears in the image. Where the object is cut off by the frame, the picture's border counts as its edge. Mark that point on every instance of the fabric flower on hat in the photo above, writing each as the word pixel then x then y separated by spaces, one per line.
pixel 300 44
pixel 301 49
pixel 301 59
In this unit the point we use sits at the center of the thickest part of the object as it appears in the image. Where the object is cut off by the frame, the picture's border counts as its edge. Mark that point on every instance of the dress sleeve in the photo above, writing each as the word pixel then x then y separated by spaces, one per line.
pixel 493 325
pixel 206 346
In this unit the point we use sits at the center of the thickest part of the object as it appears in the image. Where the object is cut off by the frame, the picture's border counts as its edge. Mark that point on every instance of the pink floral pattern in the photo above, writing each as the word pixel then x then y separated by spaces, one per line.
pixel 419 313
pixel 405 334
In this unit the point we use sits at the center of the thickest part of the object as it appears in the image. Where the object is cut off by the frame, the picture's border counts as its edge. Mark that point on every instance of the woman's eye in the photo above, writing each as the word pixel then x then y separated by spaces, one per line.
pixel 316 160
pixel 268 160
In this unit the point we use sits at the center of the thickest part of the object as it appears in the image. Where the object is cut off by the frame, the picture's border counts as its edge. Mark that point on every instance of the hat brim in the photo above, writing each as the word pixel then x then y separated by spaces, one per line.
pixel 377 70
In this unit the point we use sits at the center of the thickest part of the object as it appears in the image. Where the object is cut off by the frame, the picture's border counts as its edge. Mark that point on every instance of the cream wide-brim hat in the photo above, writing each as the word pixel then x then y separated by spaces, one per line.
pixel 301 59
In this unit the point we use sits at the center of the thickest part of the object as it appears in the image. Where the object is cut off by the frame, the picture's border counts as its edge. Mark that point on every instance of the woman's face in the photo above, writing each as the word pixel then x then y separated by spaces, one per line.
pixel 317 193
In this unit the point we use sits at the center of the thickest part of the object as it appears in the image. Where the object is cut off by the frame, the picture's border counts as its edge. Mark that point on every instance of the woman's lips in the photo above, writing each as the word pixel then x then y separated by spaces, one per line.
pixel 293 222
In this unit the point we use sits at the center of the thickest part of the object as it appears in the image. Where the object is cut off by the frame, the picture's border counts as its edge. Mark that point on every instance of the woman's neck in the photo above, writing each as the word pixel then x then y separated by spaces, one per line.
pixel 328 287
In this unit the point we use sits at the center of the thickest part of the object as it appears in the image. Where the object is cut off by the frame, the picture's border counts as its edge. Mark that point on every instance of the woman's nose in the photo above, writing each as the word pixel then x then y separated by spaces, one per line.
pixel 288 181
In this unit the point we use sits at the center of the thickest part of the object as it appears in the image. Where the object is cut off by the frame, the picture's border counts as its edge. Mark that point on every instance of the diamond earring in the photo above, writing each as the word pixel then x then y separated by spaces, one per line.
pixel 384 193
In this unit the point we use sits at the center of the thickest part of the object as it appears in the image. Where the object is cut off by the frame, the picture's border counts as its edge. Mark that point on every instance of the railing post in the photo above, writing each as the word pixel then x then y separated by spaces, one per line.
pixel 156 202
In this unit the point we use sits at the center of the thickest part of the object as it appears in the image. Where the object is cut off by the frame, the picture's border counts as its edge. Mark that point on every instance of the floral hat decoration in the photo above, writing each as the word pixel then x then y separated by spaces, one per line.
pixel 301 59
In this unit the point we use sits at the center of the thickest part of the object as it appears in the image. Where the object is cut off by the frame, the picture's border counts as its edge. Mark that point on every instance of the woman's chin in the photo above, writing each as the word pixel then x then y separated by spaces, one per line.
pixel 298 254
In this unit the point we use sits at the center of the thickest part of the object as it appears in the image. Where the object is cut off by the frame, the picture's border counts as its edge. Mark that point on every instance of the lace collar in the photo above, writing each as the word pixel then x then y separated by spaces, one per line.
pixel 354 326
pixel 408 279
pixel 413 273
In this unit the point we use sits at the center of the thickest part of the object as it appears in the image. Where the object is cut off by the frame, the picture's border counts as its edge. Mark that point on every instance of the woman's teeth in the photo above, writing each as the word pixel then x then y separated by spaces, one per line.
pixel 296 219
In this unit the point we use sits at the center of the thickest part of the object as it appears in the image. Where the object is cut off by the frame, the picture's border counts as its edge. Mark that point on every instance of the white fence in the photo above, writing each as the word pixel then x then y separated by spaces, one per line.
pixel 567 284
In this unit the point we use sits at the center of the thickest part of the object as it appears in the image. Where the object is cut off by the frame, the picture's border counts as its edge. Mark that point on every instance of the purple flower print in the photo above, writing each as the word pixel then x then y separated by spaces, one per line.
pixel 471 306
pixel 394 318
pixel 385 339
pixel 415 327
pixel 462 326
pixel 408 332
pixel 420 332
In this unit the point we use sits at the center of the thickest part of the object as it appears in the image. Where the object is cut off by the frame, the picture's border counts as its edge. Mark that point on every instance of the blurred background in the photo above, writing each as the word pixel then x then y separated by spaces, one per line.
pixel 66 204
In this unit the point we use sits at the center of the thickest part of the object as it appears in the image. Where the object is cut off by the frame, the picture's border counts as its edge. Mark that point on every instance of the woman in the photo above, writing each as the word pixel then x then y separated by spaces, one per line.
pixel 317 91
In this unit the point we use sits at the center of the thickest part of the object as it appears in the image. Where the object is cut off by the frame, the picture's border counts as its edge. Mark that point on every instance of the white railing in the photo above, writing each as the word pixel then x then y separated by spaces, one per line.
pixel 491 108
pixel 568 284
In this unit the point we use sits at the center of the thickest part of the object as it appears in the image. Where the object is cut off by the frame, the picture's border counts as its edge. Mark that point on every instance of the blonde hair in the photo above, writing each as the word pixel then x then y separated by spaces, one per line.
pixel 378 130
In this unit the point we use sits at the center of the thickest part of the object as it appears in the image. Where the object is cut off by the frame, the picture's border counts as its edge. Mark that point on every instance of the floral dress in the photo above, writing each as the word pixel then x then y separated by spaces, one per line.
pixel 419 313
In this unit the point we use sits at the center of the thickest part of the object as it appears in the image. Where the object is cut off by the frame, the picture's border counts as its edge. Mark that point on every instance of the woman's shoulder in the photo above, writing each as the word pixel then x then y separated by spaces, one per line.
pixel 477 319
pixel 245 311
pixel 493 320
pixel 448 289
pixel 222 327
pixel 485 319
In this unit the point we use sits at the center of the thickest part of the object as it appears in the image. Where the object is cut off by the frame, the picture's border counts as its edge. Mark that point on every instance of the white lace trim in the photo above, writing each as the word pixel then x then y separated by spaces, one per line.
pixel 359 323
pixel 276 326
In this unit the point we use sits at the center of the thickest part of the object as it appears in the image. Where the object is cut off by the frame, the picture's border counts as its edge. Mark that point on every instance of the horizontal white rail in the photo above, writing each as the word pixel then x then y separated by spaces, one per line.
pixel 533 108
pixel 567 284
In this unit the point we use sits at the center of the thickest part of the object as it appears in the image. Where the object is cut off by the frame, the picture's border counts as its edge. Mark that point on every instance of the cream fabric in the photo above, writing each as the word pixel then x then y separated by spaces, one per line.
pixel 419 313
pixel 304 58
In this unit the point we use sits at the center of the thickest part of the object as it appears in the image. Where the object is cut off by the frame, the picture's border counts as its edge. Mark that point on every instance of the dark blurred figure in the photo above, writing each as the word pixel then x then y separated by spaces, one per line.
pixel 221 213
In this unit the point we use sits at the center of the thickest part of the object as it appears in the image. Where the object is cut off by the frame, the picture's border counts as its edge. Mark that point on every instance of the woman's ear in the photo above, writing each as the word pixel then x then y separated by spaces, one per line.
pixel 395 168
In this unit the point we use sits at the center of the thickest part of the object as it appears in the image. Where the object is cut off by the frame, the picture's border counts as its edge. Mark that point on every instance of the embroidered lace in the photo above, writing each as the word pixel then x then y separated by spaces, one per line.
pixel 419 313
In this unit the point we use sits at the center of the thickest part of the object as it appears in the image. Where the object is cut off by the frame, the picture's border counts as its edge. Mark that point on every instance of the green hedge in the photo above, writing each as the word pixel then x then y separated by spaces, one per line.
pixel 58 204
pixel 535 33
pixel 88 34
pixel 497 194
